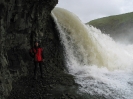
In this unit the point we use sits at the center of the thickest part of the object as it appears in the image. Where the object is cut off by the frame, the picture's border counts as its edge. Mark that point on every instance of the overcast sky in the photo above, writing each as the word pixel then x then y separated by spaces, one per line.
pixel 88 10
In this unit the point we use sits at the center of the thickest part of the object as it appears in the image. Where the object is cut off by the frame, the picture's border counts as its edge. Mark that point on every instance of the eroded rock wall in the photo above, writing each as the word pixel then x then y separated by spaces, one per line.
pixel 21 22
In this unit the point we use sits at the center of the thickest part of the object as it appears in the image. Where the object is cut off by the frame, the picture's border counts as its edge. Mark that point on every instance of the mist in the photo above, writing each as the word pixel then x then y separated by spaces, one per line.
pixel 123 36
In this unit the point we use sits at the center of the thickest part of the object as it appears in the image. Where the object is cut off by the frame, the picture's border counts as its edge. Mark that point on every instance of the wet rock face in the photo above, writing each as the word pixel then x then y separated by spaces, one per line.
pixel 21 22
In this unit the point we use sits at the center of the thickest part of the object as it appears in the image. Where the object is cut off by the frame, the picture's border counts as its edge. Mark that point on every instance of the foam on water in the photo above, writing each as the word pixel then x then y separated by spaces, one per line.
pixel 100 65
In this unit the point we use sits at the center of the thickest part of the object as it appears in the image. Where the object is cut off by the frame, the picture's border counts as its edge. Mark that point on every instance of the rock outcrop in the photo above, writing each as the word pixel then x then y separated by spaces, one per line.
pixel 21 22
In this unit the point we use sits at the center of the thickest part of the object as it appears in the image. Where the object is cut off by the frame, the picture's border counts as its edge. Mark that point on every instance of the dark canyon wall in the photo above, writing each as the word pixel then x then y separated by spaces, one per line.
pixel 21 22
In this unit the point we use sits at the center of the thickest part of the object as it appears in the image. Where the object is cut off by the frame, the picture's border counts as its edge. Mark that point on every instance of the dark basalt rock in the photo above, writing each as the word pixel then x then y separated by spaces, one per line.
pixel 21 22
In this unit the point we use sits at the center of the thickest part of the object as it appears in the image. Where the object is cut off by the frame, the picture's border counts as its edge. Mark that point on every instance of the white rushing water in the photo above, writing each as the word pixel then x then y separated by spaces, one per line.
pixel 100 65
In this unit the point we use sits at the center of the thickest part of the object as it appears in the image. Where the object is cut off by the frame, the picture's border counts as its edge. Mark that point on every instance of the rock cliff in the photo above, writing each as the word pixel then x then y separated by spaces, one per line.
pixel 22 22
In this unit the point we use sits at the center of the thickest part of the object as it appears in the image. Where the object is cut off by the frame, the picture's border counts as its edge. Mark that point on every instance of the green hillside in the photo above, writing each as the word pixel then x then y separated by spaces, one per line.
pixel 117 26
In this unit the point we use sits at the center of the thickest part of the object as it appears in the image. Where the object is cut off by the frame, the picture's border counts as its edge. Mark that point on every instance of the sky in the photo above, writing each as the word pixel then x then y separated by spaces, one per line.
pixel 88 10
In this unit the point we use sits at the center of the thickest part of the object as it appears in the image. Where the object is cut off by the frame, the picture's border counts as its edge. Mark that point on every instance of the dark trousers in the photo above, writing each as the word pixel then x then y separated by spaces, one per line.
pixel 36 63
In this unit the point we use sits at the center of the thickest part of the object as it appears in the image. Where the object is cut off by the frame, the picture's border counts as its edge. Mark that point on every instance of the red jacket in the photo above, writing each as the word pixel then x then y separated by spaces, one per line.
pixel 37 53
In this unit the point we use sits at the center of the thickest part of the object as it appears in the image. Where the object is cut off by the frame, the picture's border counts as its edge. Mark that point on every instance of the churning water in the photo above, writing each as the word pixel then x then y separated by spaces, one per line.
pixel 100 65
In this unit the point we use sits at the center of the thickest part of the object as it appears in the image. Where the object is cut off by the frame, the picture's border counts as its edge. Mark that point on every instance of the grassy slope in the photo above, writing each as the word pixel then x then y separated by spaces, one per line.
pixel 120 27
pixel 114 24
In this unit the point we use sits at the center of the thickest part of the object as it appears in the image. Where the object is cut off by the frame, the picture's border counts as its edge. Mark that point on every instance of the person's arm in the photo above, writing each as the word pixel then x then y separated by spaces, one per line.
pixel 43 53
pixel 31 53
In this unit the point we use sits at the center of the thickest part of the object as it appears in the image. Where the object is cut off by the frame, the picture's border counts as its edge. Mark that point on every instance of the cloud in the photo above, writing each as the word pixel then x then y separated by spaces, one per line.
pixel 88 10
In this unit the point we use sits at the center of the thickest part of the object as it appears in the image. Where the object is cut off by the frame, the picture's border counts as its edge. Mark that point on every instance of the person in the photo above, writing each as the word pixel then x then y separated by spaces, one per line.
pixel 37 53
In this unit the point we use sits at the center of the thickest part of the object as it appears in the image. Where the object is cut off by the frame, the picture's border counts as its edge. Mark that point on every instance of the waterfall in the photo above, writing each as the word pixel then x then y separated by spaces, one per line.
pixel 100 65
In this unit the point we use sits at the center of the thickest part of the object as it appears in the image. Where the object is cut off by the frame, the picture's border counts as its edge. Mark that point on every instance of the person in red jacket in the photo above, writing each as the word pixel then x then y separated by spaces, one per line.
pixel 37 53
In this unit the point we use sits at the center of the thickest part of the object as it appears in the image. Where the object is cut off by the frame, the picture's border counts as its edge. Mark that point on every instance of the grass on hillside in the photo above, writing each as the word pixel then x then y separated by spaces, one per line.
pixel 112 20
